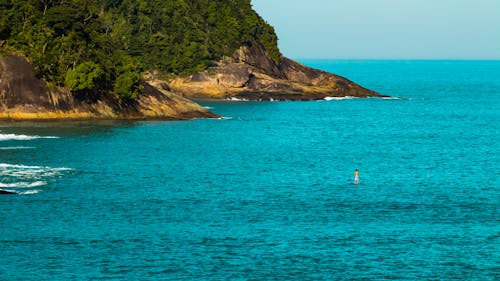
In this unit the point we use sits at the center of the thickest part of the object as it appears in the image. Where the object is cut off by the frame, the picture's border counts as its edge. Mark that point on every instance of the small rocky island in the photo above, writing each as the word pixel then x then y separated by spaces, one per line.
pixel 107 61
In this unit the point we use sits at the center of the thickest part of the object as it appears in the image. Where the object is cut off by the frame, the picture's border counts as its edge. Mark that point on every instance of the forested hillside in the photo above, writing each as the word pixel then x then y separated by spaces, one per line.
pixel 98 47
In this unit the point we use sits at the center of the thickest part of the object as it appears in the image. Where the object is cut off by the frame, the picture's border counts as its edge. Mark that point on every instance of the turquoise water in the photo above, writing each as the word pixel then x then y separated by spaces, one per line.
pixel 267 193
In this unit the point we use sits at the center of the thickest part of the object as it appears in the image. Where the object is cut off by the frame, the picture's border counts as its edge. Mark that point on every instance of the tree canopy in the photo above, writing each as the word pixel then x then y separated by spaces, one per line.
pixel 102 46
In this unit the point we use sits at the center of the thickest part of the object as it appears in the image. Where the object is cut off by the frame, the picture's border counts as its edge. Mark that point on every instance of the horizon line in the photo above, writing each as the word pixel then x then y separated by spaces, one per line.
pixel 400 59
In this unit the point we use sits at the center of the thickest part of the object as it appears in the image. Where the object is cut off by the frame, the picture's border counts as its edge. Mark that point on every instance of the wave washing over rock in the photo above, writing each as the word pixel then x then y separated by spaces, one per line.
pixel 21 179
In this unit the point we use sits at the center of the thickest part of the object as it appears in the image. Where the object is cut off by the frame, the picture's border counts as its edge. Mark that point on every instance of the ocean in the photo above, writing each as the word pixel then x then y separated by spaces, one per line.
pixel 267 192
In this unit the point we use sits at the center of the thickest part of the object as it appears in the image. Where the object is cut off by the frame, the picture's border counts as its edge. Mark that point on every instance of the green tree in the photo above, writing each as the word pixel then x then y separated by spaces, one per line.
pixel 85 79
pixel 127 85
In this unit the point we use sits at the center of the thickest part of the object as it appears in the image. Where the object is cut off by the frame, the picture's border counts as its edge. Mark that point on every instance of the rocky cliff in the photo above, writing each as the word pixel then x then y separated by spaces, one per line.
pixel 250 74
pixel 25 97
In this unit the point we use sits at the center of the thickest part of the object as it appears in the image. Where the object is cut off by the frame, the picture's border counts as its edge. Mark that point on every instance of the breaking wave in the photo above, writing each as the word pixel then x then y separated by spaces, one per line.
pixel 339 98
pixel 391 98
pixel 237 99
pixel 35 191
pixel 15 177
pixel 23 184
pixel 16 147
pixel 6 137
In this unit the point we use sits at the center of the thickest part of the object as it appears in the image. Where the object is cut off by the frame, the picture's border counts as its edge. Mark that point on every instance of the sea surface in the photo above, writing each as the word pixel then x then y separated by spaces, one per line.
pixel 267 192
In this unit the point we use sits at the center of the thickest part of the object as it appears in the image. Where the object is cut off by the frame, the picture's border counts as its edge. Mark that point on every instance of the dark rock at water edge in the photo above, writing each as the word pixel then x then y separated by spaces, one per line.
pixel 6 192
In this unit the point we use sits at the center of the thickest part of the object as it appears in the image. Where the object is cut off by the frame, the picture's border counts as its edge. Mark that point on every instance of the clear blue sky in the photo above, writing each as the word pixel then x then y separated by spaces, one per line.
pixel 385 29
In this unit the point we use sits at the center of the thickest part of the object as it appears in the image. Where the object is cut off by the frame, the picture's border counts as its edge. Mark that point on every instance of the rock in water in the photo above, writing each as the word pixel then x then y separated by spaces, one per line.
pixel 6 192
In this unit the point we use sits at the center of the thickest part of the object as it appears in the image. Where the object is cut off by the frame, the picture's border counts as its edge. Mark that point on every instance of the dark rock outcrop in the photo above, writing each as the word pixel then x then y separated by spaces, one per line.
pixel 6 192
pixel 23 97
pixel 251 74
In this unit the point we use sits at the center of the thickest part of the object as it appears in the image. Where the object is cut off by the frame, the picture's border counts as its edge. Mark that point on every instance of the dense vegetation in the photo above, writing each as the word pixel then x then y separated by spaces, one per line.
pixel 103 46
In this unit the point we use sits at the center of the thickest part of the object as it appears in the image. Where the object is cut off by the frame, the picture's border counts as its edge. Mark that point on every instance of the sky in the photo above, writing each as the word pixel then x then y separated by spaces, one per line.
pixel 385 29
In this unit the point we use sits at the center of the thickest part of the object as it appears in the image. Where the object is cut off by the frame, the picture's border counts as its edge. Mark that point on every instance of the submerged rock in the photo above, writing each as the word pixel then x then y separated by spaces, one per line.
pixel 25 97
pixel 251 74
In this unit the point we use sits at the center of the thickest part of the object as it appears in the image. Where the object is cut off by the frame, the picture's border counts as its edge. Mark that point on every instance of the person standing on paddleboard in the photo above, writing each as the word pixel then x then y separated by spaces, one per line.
pixel 356 177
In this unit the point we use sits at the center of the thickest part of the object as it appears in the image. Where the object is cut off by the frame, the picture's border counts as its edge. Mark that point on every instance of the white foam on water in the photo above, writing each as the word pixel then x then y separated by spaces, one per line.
pixel 16 166
pixel 16 147
pixel 6 137
pixel 208 107
pixel 18 176
pixel 338 98
pixel 23 184
pixel 35 191
pixel 236 99
pixel 23 172
pixel 391 98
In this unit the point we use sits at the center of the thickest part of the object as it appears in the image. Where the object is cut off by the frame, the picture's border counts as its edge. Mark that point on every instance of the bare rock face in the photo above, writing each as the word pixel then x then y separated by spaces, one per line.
pixel 251 74
pixel 25 97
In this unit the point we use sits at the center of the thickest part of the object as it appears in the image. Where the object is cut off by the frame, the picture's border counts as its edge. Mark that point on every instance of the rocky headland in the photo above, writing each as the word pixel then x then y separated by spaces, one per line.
pixel 251 75
pixel 248 75
pixel 25 97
